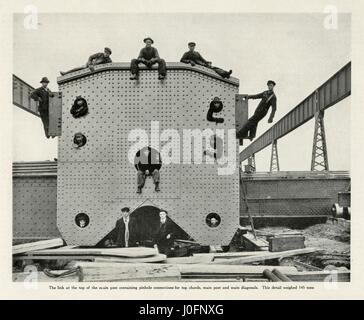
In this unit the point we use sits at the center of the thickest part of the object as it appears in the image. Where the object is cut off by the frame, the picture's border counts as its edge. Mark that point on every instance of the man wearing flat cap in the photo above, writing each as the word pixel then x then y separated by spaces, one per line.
pixel 42 95
pixel 93 60
pixel 193 57
pixel 126 231
pixel 148 56
pixel 269 99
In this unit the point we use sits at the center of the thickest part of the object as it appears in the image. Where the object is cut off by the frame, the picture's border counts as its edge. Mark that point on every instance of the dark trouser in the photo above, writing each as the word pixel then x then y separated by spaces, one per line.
pixel 141 177
pixel 134 66
pixel 221 72
pixel 249 130
pixel 44 115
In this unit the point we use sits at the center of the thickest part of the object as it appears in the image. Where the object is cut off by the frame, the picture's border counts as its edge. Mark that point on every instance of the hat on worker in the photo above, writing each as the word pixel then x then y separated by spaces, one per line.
pixel 44 79
pixel 193 44
pixel 125 209
pixel 271 82
pixel 148 38
pixel 108 50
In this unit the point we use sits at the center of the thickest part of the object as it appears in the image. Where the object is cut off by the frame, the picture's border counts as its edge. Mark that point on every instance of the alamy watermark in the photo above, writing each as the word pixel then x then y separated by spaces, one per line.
pixel 189 146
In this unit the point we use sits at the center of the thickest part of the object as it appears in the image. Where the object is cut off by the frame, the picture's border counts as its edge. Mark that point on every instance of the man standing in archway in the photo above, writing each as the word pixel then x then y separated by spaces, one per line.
pixel 125 233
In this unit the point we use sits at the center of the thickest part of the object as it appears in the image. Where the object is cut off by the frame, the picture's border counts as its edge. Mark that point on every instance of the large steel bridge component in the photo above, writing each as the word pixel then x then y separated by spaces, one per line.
pixel 97 178
pixel 329 93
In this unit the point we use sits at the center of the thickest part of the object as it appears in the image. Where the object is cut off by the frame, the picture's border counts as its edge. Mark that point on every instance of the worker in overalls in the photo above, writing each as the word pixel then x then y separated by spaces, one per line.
pixel 192 57
pixel 269 99
pixel 148 56
pixel 42 95
pixel 93 60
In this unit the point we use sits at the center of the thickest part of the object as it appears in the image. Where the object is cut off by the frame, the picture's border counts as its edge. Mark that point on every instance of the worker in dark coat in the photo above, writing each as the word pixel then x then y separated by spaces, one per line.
pixel 148 162
pixel 269 99
pixel 192 57
pixel 93 60
pixel 126 231
pixel 148 56
pixel 42 95
pixel 164 237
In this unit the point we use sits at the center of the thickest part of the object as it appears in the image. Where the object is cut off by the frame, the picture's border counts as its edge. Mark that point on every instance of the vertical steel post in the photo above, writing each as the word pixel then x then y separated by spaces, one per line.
pixel 274 161
pixel 319 161
pixel 251 163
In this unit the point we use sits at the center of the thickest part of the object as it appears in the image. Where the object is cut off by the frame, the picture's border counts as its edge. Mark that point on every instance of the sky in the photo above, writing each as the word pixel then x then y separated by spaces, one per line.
pixel 295 50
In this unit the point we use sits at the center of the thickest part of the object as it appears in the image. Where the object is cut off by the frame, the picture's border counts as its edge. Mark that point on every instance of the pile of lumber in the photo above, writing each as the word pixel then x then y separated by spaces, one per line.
pixel 147 264
pixel 40 251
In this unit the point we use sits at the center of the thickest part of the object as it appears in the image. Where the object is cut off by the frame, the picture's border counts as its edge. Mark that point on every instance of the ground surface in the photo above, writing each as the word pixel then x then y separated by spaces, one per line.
pixel 332 239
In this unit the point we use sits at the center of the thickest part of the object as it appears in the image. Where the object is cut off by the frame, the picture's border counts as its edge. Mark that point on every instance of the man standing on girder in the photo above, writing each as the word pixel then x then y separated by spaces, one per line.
pixel 93 60
pixel 42 95
pixel 148 56
pixel 192 57
pixel 269 99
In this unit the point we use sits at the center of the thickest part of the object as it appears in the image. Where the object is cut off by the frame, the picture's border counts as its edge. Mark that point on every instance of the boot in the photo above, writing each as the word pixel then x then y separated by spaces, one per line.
pixel 157 187
pixel 161 77
pixel 133 77
pixel 139 190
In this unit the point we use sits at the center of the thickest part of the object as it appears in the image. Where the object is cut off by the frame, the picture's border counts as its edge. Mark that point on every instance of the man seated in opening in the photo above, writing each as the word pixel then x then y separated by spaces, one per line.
pixel 148 56
pixel 93 60
pixel 148 162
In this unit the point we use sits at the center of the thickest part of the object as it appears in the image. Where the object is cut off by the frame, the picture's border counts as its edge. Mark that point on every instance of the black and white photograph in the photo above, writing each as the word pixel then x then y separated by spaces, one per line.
pixel 187 147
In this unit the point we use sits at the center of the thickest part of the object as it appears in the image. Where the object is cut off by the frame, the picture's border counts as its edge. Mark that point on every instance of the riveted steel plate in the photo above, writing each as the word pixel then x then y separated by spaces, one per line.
pixel 98 179
pixel 34 208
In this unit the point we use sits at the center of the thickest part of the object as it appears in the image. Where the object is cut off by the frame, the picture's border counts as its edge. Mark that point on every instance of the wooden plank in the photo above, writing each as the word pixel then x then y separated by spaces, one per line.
pixel 38 245
pixel 214 269
pixel 266 256
pixel 53 257
pixel 99 271
pixel 230 255
pixel 203 258
pixel 319 276
pixel 137 252
pixel 258 243
pixel 286 242
pixel 157 258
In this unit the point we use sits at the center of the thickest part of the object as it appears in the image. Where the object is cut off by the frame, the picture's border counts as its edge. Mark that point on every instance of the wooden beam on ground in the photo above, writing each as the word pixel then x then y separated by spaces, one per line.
pixel 157 258
pixel 213 270
pixel 230 255
pixel 319 276
pixel 266 256
pixel 203 258
pixel 104 271
pixel 38 245
pixel 137 252
pixel 259 244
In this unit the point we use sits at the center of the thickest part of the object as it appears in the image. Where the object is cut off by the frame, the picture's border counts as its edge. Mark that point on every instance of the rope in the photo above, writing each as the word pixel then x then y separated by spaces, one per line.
pixel 67 273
